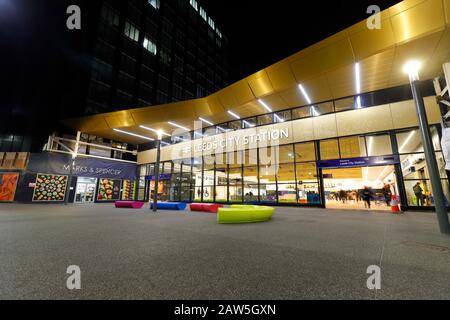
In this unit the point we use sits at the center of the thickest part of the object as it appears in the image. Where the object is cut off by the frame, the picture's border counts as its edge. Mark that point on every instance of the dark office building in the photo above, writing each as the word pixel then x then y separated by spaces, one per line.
pixel 128 54
pixel 153 52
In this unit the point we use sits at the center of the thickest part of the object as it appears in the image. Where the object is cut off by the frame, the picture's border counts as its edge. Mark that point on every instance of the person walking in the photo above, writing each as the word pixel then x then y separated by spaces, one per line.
pixel 387 194
pixel 418 192
pixel 367 197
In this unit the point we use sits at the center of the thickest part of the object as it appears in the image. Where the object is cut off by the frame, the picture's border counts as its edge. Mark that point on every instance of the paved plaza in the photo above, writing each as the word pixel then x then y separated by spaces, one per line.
pixel 300 254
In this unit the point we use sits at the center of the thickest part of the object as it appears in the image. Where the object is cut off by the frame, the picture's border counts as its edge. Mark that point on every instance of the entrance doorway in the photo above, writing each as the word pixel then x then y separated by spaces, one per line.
pixel 163 190
pixel 85 192
pixel 345 188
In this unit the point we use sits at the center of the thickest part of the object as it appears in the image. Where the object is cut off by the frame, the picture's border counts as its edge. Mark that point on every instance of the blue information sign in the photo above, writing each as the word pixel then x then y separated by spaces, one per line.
pixel 161 177
pixel 359 162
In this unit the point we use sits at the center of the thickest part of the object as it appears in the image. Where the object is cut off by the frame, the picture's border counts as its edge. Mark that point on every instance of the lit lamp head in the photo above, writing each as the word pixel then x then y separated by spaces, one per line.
pixel 412 69
pixel 160 134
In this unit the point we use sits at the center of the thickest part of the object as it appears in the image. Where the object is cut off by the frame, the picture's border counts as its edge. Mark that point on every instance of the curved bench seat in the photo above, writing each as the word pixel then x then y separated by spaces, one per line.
pixel 129 204
pixel 178 206
pixel 244 214
pixel 206 207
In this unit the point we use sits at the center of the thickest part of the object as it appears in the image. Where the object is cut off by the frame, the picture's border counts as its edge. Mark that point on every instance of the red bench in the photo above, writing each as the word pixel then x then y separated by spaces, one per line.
pixel 129 204
pixel 206 207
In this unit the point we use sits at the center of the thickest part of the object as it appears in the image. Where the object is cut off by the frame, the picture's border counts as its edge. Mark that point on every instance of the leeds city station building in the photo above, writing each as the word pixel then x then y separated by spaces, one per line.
pixel 311 130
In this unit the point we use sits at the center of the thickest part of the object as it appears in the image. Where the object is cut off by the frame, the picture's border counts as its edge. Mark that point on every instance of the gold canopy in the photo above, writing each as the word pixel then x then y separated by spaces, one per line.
pixel 412 29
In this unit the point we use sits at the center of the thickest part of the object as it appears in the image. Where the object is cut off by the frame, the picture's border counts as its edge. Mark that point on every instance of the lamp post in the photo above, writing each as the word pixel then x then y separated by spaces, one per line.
pixel 412 69
pixel 158 160
pixel 72 165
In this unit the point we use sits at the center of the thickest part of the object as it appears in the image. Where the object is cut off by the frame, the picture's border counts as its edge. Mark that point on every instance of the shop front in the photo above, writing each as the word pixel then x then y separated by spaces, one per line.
pixel 93 180
pixel 85 190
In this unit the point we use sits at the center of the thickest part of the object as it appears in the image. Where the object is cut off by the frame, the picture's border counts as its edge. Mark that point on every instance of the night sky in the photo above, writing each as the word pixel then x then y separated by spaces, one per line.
pixel 262 32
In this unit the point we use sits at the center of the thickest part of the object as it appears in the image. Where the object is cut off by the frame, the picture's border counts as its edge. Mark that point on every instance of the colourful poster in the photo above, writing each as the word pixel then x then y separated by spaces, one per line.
pixel 8 186
pixel 129 190
pixel 50 188
pixel 108 190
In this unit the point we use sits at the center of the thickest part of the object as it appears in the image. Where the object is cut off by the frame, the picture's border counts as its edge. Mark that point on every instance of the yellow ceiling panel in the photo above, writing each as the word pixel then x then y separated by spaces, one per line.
pixel 403 6
pixel 274 101
pixel 342 81
pixel 281 76
pixel 447 11
pixel 293 97
pixel 313 49
pixel 202 108
pixel 368 42
pixel 242 92
pixel 422 19
pixel 260 84
pixel 214 104
pixel 227 98
pixel 121 119
pixel 306 68
pixel 248 110
pixel 336 55
pixel 318 89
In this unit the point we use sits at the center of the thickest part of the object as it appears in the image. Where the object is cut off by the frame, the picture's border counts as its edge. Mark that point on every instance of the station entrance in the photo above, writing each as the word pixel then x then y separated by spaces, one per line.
pixel 351 188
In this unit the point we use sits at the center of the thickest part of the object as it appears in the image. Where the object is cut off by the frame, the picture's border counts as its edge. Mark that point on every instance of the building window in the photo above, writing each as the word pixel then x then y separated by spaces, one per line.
pixel 150 46
pixel 219 33
pixel 131 31
pixel 154 3
pixel 110 16
pixel 203 14
pixel 165 57
pixel 211 23
pixel 194 4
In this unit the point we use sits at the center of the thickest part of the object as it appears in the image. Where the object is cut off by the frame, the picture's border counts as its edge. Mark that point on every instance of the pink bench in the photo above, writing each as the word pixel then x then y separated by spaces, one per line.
pixel 206 207
pixel 129 204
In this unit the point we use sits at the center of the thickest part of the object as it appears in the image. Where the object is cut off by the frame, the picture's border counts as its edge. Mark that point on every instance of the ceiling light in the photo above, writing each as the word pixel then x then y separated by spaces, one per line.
pixel 248 124
pixel 133 134
pixel 264 105
pixel 358 78
pixel 408 139
pixel 234 115
pixel 314 112
pixel 358 102
pixel 155 131
pixel 279 118
pixel 369 147
pixel 305 94
pixel 206 121
pixel 178 126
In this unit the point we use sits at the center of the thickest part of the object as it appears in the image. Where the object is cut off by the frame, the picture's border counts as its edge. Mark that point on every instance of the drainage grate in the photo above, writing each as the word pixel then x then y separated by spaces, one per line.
pixel 426 246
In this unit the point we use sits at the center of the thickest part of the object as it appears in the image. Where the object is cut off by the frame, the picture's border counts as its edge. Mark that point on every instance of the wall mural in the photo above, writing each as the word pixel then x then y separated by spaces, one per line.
pixel 109 190
pixel 50 188
pixel 8 185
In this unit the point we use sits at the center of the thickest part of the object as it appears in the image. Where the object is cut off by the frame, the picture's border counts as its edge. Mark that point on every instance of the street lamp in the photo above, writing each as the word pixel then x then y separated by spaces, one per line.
pixel 72 165
pixel 160 134
pixel 412 69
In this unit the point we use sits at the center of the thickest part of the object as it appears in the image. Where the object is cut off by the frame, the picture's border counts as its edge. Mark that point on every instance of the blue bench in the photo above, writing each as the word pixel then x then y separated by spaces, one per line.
pixel 179 206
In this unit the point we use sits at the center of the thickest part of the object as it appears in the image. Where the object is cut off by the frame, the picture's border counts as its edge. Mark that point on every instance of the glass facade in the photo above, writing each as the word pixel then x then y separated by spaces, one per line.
pixel 290 175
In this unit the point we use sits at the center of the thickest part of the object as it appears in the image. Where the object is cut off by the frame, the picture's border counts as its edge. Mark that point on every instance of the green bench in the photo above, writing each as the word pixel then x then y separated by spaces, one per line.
pixel 244 214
